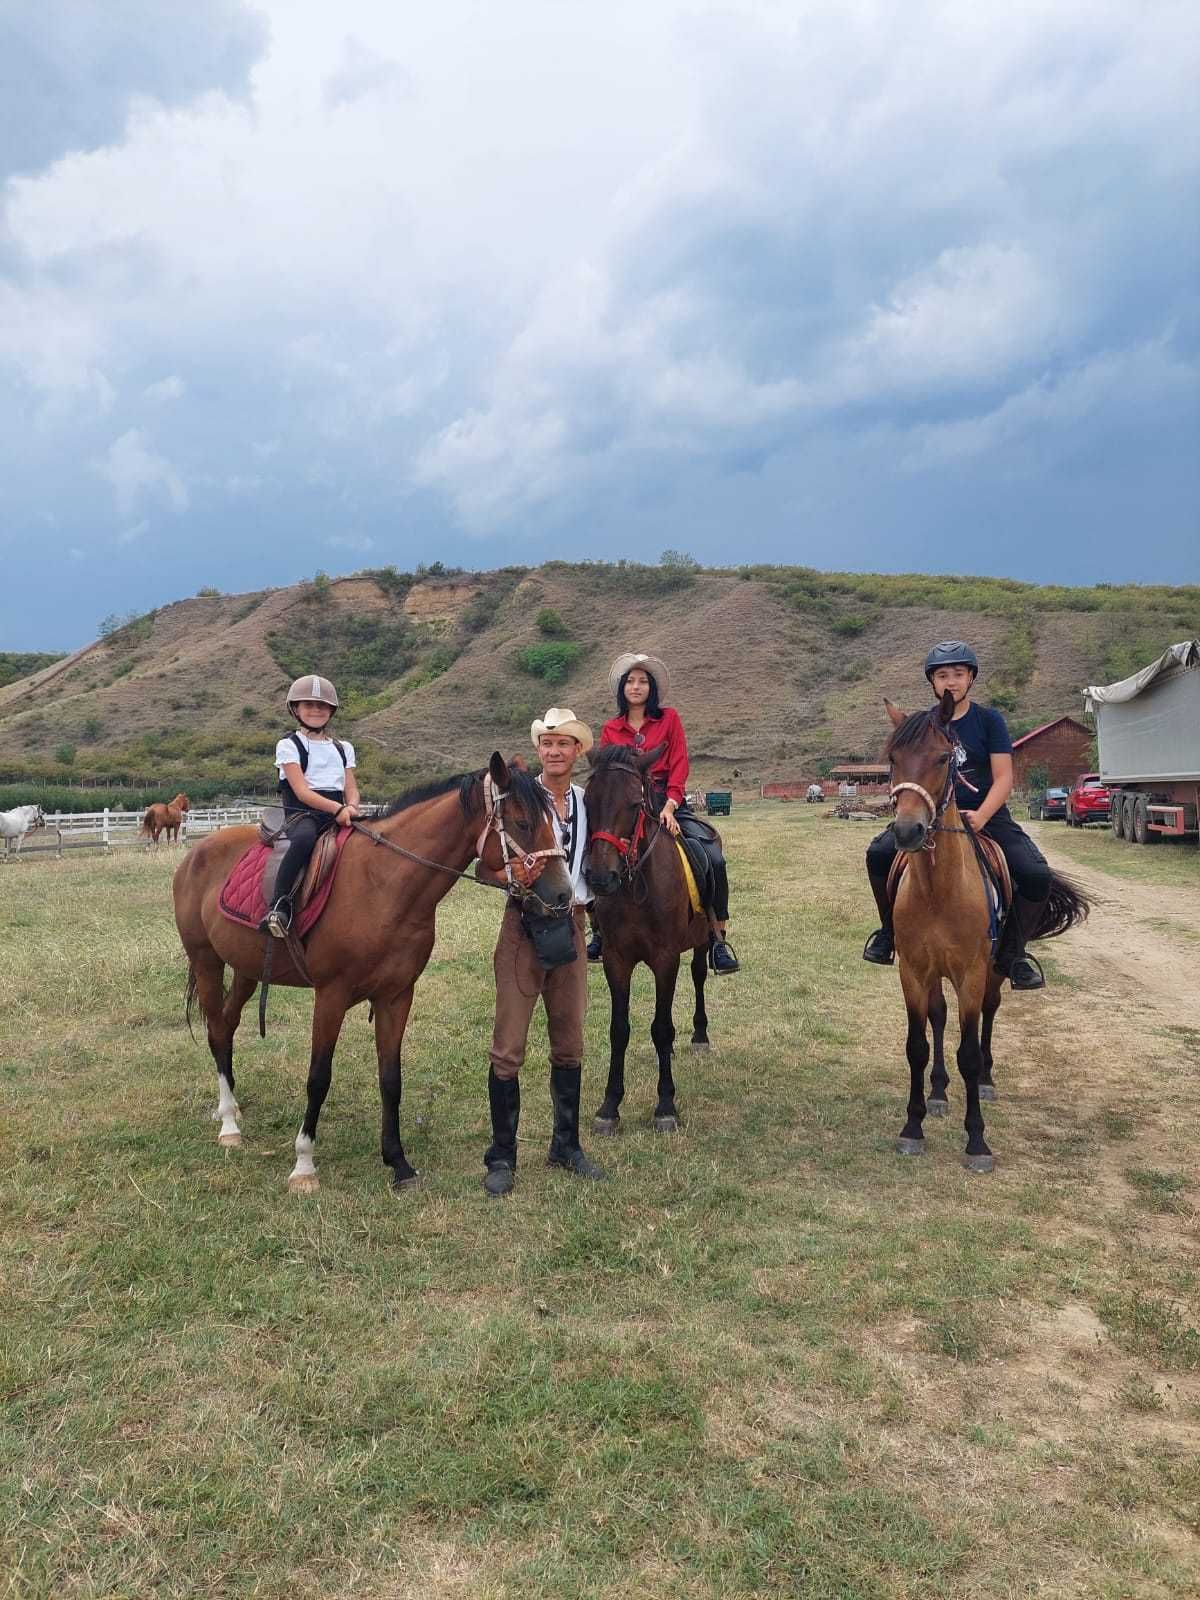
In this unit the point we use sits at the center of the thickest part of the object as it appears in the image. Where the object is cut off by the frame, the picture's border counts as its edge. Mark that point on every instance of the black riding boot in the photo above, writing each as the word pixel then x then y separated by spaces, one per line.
pixel 278 920
pixel 595 945
pixel 500 1158
pixel 881 946
pixel 1013 961
pixel 565 1149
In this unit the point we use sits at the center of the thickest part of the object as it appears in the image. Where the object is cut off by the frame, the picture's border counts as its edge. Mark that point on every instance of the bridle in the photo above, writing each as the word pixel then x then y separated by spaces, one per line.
pixel 937 808
pixel 628 848
pixel 493 822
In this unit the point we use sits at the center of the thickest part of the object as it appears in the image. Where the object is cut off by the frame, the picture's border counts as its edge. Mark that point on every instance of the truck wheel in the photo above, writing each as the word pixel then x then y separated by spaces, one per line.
pixel 1141 821
pixel 1116 814
pixel 1128 803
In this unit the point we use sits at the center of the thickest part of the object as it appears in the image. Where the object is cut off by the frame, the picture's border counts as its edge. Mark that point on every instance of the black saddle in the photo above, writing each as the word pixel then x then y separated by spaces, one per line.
pixel 695 836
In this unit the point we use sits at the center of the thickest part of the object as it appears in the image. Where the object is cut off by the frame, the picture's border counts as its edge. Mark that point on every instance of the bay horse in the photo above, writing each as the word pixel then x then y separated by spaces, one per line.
pixel 375 935
pixel 165 817
pixel 14 825
pixel 942 927
pixel 644 915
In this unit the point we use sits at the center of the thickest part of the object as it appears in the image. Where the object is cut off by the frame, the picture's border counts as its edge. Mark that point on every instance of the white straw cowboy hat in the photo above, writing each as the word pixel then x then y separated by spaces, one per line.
pixel 559 720
pixel 651 664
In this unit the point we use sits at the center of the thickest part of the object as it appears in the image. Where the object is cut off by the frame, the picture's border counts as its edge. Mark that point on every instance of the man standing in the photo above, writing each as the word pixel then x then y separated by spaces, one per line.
pixel 559 739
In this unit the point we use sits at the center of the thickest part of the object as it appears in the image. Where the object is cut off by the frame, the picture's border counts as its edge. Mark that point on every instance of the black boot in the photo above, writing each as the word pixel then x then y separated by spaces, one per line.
pixel 881 946
pixel 1013 961
pixel 595 946
pixel 500 1158
pixel 720 957
pixel 565 1149
pixel 278 920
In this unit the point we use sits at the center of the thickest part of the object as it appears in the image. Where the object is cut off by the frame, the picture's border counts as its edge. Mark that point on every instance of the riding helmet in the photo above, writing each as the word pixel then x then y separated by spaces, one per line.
pixel 312 687
pixel 951 653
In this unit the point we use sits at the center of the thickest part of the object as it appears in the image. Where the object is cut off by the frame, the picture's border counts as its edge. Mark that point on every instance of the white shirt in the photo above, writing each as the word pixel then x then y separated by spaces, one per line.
pixel 325 769
pixel 576 825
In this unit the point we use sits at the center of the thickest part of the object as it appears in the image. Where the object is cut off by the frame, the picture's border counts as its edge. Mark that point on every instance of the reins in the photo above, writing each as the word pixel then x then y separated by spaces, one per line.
pixel 627 848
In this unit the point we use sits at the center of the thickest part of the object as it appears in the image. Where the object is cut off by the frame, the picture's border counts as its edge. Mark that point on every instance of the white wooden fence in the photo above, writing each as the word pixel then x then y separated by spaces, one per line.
pixel 108 829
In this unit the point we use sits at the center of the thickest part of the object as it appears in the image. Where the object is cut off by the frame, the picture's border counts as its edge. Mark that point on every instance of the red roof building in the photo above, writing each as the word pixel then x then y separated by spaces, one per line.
pixel 1062 748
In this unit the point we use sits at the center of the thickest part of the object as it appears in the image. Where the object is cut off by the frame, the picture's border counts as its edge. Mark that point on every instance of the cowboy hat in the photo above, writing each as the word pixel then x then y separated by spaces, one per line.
pixel 651 664
pixel 559 720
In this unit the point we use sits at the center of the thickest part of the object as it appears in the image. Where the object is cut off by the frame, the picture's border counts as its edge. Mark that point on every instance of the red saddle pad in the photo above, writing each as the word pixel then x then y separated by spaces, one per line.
pixel 241 897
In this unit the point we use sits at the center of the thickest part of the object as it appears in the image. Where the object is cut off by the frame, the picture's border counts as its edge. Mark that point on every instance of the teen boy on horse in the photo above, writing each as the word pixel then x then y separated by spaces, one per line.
pixel 317 785
pixel 641 684
pixel 983 781
pixel 559 739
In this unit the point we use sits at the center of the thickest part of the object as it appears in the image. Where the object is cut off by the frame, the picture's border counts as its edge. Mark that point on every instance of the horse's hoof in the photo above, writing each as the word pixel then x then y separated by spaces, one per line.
pixel 304 1183
pixel 910 1147
pixel 979 1163
pixel 666 1124
pixel 987 1091
pixel 701 1044
pixel 230 1141
pixel 606 1127
pixel 413 1181
pixel 938 1108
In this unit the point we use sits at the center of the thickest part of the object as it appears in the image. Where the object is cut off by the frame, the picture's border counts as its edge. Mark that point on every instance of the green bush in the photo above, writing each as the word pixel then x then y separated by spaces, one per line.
pixel 549 662
pixel 92 728
pixel 128 631
pixel 551 624
pixel 65 755
pixel 209 592
pixel 851 626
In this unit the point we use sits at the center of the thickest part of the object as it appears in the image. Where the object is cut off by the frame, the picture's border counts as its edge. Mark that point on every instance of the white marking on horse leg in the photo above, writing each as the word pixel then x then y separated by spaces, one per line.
pixel 227 1113
pixel 303 1177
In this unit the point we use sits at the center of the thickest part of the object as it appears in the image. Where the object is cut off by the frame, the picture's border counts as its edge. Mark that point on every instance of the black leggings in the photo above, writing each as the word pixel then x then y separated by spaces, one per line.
pixel 695 828
pixel 305 826
pixel 1029 868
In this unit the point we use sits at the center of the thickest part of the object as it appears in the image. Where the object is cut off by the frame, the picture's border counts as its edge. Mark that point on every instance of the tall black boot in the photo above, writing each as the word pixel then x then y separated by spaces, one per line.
pixel 881 946
pixel 1013 961
pixel 565 1149
pixel 500 1157
pixel 595 945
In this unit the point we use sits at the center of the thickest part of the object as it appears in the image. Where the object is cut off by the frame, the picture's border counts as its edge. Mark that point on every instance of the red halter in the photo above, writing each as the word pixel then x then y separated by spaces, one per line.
pixel 627 848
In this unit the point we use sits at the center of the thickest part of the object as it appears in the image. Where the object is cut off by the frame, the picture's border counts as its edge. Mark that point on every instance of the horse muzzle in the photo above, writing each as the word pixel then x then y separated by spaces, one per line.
pixel 602 882
pixel 909 833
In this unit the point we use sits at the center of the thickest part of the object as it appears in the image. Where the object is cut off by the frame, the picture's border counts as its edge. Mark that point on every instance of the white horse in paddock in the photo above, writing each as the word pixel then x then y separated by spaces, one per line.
pixel 14 825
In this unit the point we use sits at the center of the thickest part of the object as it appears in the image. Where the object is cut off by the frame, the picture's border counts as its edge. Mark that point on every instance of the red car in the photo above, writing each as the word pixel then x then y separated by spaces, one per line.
pixel 1088 801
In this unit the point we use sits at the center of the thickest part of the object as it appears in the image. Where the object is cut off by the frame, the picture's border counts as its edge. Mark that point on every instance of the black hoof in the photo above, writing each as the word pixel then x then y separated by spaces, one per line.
pixel 910 1147
pixel 701 1044
pixel 938 1108
pixel 606 1127
pixel 412 1181
pixel 987 1091
pixel 979 1163
pixel 666 1124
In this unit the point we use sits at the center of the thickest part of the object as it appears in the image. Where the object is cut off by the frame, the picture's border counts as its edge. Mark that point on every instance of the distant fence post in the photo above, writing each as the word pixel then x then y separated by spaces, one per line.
pixel 105 829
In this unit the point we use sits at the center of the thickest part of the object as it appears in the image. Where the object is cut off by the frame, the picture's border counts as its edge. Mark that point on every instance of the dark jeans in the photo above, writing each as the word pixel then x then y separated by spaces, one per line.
pixel 1029 868
pixel 305 826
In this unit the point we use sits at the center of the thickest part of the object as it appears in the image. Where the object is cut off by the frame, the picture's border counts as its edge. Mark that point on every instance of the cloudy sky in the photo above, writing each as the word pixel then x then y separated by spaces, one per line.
pixel 294 286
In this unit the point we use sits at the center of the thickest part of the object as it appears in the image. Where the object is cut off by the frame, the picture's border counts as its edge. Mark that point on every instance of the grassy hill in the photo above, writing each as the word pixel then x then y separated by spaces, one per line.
pixel 776 670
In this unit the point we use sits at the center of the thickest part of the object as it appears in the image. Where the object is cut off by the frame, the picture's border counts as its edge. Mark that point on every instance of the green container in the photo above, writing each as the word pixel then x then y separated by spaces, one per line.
pixel 719 802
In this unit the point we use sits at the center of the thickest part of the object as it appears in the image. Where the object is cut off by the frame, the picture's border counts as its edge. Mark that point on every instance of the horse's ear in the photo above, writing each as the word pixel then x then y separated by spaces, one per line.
pixel 648 757
pixel 499 770
pixel 946 709
pixel 895 713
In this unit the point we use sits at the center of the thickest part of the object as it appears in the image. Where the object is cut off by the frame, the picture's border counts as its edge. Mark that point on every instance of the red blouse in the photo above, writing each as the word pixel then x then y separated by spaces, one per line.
pixel 666 729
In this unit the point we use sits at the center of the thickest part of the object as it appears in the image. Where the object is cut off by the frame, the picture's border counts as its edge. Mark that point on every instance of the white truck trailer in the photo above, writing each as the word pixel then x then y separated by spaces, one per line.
pixel 1148 727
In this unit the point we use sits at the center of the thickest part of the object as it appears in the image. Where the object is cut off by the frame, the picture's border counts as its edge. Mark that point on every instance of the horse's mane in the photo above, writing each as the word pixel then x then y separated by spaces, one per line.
pixel 914 728
pixel 533 797
pixel 616 755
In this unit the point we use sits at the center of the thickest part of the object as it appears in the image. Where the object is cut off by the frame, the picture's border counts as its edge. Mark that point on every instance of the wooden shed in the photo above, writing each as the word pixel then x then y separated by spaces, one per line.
pixel 1063 748
pixel 867 775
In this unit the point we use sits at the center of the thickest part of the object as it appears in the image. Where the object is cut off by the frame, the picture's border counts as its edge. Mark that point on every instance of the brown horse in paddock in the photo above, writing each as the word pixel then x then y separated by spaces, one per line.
pixel 644 914
pixel 375 935
pixel 165 817
pixel 941 923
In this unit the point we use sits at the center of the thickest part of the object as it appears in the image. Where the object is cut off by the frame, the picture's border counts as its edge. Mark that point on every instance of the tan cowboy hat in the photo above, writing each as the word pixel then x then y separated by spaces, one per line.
pixel 559 720
pixel 651 664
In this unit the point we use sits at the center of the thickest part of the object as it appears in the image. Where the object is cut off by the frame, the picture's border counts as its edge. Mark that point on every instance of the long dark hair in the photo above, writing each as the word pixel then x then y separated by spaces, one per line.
pixel 652 707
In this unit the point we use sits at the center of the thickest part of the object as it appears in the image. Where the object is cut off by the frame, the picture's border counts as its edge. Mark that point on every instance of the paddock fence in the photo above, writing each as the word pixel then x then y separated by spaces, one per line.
pixel 117 830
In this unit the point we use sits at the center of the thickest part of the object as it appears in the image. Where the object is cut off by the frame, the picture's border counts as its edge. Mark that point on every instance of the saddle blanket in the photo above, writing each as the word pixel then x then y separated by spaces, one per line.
pixel 241 897
pixel 689 877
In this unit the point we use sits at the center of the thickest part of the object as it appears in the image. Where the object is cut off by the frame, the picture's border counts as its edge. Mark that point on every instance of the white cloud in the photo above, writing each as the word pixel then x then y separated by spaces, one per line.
pixel 132 534
pixel 136 473
pixel 166 389
pixel 362 73
pixel 350 541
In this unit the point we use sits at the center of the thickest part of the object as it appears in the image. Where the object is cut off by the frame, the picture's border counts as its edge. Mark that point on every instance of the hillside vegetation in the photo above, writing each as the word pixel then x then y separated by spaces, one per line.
pixel 777 671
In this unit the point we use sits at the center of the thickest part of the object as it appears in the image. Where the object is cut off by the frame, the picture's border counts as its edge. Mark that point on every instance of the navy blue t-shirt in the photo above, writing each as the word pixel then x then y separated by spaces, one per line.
pixel 980 734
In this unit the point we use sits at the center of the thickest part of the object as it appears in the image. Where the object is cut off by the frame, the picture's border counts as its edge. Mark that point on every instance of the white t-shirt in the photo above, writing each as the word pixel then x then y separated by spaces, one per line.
pixel 325 769
pixel 576 827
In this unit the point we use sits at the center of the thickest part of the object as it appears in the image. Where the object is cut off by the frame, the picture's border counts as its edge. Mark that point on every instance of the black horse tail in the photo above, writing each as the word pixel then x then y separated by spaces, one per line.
pixel 190 998
pixel 1067 907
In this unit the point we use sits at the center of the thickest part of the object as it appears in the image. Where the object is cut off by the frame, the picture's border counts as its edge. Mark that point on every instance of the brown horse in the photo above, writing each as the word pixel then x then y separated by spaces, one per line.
pixel 941 922
pixel 644 914
pixel 165 817
pixel 375 934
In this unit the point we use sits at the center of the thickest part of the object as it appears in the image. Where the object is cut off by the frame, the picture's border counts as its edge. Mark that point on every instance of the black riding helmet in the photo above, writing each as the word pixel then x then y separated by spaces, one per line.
pixel 951 653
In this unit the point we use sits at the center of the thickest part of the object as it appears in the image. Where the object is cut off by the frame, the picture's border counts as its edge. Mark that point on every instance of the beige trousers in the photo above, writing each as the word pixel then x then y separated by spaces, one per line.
pixel 519 982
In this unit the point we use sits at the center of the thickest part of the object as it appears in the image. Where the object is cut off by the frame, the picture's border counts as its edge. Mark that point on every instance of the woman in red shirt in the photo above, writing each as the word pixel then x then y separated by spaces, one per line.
pixel 641 683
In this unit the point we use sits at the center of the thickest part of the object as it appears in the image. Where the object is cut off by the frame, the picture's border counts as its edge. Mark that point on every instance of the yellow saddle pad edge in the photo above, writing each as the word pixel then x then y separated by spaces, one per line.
pixel 689 877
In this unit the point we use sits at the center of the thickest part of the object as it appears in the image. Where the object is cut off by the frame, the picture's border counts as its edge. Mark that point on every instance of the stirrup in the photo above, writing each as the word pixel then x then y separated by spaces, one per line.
pixel 1032 977
pixel 279 919
pixel 880 948
pixel 731 963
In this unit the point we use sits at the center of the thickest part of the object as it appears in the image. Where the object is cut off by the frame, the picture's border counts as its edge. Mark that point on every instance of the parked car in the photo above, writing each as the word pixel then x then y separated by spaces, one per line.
pixel 1049 806
pixel 1089 800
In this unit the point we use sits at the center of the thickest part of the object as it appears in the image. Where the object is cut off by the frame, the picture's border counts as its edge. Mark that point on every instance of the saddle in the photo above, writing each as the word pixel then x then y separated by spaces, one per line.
pixel 249 890
pixel 996 878
pixel 693 836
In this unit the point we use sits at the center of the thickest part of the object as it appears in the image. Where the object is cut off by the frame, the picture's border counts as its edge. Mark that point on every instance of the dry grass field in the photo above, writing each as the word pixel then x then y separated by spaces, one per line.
pixel 769 1358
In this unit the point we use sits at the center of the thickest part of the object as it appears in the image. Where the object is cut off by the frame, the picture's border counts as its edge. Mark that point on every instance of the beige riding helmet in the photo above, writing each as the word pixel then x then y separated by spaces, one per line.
pixel 315 688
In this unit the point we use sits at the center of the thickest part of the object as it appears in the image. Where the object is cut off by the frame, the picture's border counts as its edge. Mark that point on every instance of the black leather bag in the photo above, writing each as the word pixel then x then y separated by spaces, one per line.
pixel 553 938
